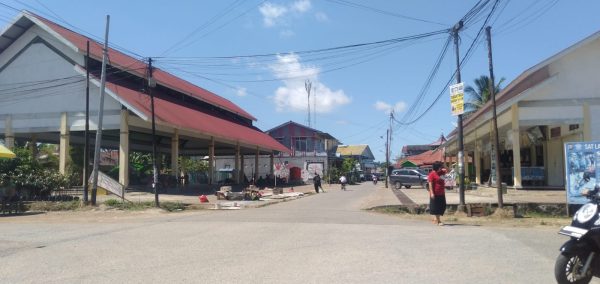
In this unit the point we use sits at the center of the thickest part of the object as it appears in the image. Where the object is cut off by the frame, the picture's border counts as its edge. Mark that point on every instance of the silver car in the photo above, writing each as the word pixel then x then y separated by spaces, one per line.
pixel 408 178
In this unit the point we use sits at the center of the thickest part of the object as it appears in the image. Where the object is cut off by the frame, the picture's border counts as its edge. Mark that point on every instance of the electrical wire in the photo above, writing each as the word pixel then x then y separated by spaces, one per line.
pixel 229 8
pixel 74 28
pixel 382 12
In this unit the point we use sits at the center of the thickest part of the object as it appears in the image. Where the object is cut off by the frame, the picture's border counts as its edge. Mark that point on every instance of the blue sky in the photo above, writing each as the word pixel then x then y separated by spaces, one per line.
pixel 354 88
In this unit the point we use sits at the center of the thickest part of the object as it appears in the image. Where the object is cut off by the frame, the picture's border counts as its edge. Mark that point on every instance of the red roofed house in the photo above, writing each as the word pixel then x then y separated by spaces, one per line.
pixel 43 99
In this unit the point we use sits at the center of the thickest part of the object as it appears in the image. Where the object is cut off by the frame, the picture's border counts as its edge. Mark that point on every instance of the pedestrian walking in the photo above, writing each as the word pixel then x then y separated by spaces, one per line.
pixel 437 194
pixel 317 183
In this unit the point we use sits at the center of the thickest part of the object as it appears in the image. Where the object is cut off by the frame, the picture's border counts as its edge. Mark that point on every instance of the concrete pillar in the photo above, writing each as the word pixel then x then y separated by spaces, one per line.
pixel 124 149
pixel 9 136
pixel 272 164
pixel 587 123
pixel 175 154
pixel 242 171
pixel 33 146
pixel 256 165
pixel 477 157
pixel 211 161
pixel 533 154
pixel 516 146
pixel 237 170
pixel 63 157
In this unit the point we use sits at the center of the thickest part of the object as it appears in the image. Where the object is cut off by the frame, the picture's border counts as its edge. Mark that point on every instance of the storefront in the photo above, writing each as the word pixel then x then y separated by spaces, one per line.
pixel 554 102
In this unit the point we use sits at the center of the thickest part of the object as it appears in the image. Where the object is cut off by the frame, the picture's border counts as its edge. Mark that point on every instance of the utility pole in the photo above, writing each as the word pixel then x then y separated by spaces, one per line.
pixel 315 106
pixel 308 87
pixel 100 114
pixel 152 84
pixel 461 148
pixel 388 150
pixel 387 157
pixel 492 90
pixel 86 148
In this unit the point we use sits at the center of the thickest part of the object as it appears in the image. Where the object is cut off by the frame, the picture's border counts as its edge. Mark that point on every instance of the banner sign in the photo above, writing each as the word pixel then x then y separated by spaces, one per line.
pixel 457 101
pixel 109 184
pixel 581 171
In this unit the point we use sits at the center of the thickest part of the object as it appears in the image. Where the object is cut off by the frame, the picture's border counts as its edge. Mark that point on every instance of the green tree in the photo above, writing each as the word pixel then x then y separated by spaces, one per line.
pixel 480 94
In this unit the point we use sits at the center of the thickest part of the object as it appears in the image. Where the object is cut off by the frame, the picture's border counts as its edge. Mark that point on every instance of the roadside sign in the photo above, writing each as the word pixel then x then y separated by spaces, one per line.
pixel 457 102
pixel 581 172
pixel 109 184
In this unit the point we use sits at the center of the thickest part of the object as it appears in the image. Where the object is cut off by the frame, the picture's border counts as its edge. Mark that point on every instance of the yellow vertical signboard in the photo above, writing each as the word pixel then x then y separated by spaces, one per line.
pixel 457 101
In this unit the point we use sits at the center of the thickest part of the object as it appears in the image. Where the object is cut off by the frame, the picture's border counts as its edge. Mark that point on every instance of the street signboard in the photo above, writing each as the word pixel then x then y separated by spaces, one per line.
pixel 109 184
pixel 457 101
pixel 580 169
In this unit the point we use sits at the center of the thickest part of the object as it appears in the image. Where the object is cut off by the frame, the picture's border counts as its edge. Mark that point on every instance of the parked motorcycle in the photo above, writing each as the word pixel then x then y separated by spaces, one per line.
pixel 579 257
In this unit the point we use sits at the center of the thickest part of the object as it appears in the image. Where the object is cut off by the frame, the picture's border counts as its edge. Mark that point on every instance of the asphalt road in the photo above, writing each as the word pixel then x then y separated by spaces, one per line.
pixel 324 238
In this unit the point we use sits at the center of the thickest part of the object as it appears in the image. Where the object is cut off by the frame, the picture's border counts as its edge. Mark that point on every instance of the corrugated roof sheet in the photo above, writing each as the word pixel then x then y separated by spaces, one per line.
pixel 191 119
pixel 135 66
pixel 351 150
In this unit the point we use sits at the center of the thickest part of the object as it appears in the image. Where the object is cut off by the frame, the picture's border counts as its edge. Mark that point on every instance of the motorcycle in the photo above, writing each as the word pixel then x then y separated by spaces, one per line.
pixel 375 180
pixel 579 257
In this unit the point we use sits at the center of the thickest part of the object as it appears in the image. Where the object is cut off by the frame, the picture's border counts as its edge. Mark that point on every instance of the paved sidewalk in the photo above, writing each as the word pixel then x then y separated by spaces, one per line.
pixel 486 194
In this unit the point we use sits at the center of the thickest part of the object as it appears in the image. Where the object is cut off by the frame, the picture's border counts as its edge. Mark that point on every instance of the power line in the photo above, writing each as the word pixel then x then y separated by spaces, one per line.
pixel 203 26
pixel 383 12
pixel 466 57
pixel 57 18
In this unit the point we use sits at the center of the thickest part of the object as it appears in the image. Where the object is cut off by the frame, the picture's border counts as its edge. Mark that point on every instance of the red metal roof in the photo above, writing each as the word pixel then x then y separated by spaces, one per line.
pixel 191 119
pixel 425 158
pixel 135 66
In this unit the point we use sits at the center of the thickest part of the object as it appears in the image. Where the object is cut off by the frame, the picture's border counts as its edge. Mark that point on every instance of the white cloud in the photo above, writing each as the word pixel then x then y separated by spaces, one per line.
pixel 293 97
pixel 272 13
pixel 321 17
pixel 387 108
pixel 301 6
pixel 287 33
pixel 242 92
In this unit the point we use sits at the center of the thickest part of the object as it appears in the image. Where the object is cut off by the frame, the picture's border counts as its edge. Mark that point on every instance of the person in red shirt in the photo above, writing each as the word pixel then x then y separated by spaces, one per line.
pixel 437 194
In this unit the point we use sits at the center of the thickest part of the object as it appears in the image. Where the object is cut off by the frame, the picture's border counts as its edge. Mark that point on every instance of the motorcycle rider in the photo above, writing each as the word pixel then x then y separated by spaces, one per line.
pixel 343 181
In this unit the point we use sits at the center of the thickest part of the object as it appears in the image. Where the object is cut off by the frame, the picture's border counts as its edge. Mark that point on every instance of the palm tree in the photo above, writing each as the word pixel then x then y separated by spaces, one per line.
pixel 480 95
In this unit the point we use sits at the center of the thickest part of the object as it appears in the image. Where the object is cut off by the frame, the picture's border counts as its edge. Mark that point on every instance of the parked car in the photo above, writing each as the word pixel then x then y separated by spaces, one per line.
pixel 408 178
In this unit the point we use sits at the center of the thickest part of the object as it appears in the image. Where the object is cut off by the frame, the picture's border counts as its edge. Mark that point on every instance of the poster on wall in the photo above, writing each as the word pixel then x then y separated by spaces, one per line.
pixel 581 171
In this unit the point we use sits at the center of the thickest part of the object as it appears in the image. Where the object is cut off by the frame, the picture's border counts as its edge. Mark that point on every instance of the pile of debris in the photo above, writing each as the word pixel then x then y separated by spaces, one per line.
pixel 251 196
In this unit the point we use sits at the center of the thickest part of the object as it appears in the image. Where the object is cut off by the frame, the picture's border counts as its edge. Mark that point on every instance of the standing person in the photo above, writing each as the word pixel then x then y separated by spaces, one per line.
pixel 343 181
pixel 437 194
pixel 317 183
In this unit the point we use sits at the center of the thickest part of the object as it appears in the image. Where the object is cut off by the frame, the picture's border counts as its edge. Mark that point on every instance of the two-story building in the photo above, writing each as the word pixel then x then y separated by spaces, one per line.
pixel 311 151
pixel 361 153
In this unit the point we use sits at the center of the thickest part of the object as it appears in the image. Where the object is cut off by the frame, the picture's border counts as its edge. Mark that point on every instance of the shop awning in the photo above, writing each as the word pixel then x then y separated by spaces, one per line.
pixel 6 153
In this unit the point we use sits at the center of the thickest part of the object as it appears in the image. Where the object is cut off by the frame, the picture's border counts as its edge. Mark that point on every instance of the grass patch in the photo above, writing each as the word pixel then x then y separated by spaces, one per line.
pixel 137 206
pixel 172 206
pixel 53 205
pixel 131 206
